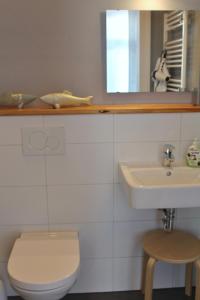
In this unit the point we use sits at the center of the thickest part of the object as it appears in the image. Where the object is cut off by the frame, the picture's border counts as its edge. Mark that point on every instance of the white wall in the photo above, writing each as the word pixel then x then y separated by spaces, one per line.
pixel 80 190
pixel 53 45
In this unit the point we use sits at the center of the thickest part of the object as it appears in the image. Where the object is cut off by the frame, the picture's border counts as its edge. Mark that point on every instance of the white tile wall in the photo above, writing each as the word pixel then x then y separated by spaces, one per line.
pixel 127 273
pixel 82 203
pixel 128 237
pixel 84 129
pixel 95 238
pixel 10 128
pixel 140 127
pixel 19 170
pixel 82 164
pixel 95 276
pixel 163 275
pixel 23 205
pixel 80 190
pixel 190 126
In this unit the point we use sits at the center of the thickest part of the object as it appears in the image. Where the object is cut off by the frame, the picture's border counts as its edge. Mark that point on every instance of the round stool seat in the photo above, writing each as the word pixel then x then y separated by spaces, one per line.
pixel 172 247
pixel 176 247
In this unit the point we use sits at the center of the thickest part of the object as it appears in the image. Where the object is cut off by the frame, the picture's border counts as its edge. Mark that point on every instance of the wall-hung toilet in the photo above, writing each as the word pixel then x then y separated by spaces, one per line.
pixel 44 265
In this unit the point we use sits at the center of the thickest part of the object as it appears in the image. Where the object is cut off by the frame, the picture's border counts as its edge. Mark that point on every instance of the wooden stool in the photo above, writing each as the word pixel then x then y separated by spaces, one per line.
pixel 173 247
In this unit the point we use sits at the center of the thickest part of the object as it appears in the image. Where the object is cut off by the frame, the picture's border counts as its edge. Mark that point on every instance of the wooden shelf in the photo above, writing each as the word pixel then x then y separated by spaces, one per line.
pixel 102 109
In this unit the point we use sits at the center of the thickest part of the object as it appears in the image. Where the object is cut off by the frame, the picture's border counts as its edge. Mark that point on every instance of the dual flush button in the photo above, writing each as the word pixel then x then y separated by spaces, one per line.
pixel 43 141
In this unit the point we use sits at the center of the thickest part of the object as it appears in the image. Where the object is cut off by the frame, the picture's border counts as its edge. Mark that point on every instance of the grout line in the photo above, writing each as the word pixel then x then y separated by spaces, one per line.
pixel 46 190
pixel 68 143
pixel 81 184
pixel 93 222
pixel 55 185
pixel 180 138
pixel 45 174
pixel 181 127
pixel 146 141
pixel 106 221
pixel 22 186
pixel 100 258
pixel 13 226
pixel 11 145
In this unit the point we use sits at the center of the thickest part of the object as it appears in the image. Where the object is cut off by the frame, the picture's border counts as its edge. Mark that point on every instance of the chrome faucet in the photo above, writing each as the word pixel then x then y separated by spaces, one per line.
pixel 168 156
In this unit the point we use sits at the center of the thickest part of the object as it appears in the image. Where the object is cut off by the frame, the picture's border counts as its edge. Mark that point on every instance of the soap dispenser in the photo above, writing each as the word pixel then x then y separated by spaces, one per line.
pixel 193 154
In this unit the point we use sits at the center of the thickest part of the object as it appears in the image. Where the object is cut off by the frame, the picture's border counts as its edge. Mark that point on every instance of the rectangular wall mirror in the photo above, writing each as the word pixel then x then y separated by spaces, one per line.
pixel 152 51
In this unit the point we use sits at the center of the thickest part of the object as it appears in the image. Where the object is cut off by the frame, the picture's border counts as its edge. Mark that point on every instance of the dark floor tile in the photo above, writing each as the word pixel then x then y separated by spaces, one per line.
pixel 161 294
pixel 130 295
pixel 172 294
pixel 92 296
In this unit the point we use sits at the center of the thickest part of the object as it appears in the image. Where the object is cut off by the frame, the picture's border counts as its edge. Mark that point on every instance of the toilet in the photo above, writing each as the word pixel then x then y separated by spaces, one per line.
pixel 44 265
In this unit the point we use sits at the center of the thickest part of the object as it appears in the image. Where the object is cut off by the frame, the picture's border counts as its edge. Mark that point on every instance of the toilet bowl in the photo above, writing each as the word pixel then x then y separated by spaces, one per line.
pixel 44 265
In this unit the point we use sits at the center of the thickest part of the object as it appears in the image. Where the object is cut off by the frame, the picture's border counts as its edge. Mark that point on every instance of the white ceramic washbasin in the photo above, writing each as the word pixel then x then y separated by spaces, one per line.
pixel 159 187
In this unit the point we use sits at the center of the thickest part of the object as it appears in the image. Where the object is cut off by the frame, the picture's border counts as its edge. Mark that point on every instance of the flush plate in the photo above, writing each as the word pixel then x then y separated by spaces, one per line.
pixel 43 141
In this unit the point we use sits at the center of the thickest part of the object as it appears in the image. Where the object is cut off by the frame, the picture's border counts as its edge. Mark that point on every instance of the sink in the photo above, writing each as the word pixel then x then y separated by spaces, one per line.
pixel 160 187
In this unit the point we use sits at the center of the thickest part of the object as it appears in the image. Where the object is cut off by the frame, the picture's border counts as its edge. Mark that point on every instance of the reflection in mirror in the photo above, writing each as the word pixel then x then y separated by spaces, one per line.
pixel 152 51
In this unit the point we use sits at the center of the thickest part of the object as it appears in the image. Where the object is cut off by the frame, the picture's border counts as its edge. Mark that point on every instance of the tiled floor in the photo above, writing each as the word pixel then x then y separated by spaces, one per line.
pixel 163 294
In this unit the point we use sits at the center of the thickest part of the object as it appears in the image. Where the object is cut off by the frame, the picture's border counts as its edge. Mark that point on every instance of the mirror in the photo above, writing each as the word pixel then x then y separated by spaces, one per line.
pixel 152 51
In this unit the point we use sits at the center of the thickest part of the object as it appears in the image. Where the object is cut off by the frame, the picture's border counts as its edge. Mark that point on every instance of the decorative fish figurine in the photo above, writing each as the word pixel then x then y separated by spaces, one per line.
pixel 65 99
pixel 15 99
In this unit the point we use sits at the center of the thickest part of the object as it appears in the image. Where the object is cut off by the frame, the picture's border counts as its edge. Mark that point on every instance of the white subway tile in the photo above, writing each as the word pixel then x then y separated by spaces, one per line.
pixel 190 126
pixel 179 275
pixel 82 164
pixel 95 276
pixel 128 237
pixel 189 225
pixel 23 205
pixel 80 203
pixel 84 129
pixel 163 275
pixel 17 169
pixel 124 212
pixel 127 273
pixel 95 238
pixel 188 213
pixel 147 127
pixel 10 128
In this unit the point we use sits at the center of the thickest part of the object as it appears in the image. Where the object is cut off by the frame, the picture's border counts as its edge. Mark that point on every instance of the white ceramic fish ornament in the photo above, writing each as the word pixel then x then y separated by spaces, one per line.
pixel 16 99
pixel 65 99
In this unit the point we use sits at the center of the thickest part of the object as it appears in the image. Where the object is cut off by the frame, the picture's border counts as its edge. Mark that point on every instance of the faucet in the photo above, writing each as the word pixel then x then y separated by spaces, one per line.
pixel 168 156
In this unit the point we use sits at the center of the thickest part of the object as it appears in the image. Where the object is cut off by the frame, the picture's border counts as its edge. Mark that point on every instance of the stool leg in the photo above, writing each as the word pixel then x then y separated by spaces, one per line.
pixel 197 293
pixel 144 266
pixel 188 279
pixel 149 278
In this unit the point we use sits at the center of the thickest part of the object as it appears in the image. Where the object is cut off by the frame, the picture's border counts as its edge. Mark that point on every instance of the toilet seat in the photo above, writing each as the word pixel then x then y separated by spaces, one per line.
pixel 44 261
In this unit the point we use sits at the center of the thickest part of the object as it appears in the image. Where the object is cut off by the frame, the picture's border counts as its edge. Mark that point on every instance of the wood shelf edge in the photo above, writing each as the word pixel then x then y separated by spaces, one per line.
pixel 102 109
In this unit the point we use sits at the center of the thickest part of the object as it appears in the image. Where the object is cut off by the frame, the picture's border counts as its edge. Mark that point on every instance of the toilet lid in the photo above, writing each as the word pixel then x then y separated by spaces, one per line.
pixel 44 263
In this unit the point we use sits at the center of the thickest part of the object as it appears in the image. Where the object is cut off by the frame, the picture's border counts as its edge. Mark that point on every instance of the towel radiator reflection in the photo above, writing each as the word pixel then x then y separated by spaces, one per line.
pixel 175 42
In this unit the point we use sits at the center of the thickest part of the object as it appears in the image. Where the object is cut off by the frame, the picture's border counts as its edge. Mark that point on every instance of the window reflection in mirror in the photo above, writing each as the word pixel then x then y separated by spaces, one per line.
pixel 122 51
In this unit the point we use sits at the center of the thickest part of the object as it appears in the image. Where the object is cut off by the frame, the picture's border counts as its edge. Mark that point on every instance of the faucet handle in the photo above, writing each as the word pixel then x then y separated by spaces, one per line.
pixel 168 152
pixel 168 148
pixel 168 156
